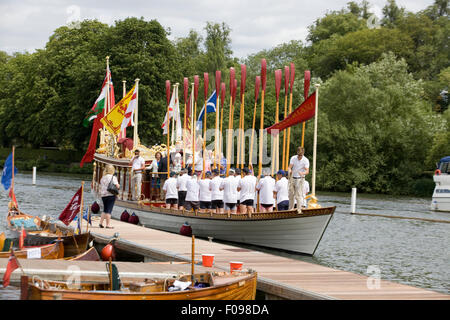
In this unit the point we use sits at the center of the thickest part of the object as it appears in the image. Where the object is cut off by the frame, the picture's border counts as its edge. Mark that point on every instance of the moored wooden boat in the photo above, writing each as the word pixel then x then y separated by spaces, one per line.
pixel 217 286
pixel 73 244
pixel 89 255
pixel 17 219
pixel 48 251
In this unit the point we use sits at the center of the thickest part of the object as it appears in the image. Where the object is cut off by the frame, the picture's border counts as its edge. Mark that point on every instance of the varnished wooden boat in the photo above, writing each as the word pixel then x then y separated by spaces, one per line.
pixel 220 286
pixel 16 219
pixel 73 244
pixel 48 251
pixel 89 255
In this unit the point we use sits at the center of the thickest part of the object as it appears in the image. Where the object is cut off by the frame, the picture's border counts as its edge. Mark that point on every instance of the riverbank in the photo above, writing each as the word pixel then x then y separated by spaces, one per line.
pixel 47 160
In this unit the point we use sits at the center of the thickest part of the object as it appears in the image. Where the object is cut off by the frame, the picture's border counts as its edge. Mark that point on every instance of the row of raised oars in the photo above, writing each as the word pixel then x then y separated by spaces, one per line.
pixel 190 116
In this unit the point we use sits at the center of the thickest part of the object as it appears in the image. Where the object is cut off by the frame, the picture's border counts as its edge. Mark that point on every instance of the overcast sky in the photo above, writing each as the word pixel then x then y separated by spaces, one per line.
pixel 26 25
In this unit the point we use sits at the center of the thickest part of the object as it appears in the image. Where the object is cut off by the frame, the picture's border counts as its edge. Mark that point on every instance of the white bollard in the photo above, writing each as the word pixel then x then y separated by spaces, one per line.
pixel 353 200
pixel 34 175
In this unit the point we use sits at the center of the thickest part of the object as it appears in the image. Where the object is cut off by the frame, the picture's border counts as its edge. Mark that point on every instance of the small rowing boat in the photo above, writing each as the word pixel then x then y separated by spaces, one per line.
pixel 48 251
pixel 206 286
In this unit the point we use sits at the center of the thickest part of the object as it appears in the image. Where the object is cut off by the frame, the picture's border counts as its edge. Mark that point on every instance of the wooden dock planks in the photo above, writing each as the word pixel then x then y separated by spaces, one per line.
pixel 277 270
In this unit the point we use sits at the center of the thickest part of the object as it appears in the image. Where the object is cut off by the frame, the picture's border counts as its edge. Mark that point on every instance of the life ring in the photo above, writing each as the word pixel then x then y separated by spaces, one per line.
pixel 437 172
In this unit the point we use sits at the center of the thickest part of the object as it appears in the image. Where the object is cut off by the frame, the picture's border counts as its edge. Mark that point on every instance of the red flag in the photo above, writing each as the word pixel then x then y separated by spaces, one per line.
pixel 23 235
pixel 12 265
pixel 89 156
pixel 72 209
pixel 304 112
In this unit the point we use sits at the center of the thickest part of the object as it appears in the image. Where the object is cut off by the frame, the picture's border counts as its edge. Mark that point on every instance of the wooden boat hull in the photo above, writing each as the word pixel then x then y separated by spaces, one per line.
pixel 243 288
pixel 286 230
pixel 89 255
pixel 73 245
pixel 15 222
pixel 48 251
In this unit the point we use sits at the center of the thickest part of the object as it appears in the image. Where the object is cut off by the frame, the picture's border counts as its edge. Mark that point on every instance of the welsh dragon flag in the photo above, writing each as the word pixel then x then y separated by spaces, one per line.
pixel 96 114
pixel 99 104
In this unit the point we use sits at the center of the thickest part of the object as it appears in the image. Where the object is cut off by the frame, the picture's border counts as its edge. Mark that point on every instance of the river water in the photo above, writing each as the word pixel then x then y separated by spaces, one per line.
pixel 411 252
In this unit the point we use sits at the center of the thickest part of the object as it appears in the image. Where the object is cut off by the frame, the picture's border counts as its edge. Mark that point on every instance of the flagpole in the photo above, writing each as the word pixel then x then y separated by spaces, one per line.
pixel 313 180
pixel 81 206
pixel 168 123
pixel 135 133
pixel 124 93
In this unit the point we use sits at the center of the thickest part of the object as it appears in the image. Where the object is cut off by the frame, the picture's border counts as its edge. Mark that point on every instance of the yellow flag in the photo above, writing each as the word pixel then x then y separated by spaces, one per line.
pixel 113 120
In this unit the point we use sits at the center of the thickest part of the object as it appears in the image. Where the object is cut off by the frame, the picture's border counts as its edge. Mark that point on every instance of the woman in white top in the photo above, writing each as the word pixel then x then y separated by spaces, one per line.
pixel 107 197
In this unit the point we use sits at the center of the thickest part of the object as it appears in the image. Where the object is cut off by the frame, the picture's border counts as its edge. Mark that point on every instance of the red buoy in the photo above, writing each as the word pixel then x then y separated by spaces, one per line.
pixel 186 230
pixel 108 252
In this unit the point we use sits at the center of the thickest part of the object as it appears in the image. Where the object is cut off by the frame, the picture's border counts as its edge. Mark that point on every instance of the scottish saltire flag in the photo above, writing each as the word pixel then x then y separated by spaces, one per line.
pixel 7 172
pixel 85 217
pixel 210 107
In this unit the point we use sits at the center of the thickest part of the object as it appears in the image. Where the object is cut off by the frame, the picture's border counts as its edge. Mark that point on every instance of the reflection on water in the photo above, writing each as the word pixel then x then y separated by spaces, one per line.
pixel 412 252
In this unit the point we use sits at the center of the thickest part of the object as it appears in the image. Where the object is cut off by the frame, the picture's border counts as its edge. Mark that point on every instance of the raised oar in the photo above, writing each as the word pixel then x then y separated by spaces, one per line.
pixel 205 90
pixel 241 118
pixel 222 100
pixel 261 127
pixel 257 86
pixel 292 74
pixel 286 88
pixel 217 138
pixel 305 94
pixel 234 99
pixel 168 120
pixel 185 95
pixel 194 133
pixel 275 145
pixel 230 119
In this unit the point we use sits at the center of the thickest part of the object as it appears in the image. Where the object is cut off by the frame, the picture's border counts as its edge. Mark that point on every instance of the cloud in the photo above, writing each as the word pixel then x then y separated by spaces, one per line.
pixel 255 24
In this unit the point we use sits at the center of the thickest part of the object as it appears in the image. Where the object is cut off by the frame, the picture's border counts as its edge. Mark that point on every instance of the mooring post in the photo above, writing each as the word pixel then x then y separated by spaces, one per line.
pixel 353 200
pixel 34 175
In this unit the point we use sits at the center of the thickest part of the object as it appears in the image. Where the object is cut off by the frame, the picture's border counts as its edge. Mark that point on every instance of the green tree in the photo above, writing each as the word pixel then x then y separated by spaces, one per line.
pixel 392 14
pixel 374 129
pixel 218 46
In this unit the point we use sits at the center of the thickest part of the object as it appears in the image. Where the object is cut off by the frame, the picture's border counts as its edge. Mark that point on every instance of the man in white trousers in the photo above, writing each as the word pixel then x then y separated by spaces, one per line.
pixel 298 169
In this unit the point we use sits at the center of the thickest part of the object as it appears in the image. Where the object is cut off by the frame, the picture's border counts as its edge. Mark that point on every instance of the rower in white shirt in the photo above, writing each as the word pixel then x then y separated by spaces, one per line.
pixel 182 180
pixel 170 189
pixel 216 193
pixel 282 191
pixel 205 193
pixel 230 193
pixel 192 195
pixel 246 187
pixel 266 187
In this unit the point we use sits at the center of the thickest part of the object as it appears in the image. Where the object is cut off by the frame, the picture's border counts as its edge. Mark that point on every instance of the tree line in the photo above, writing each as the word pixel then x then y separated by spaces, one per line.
pixel 383 108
